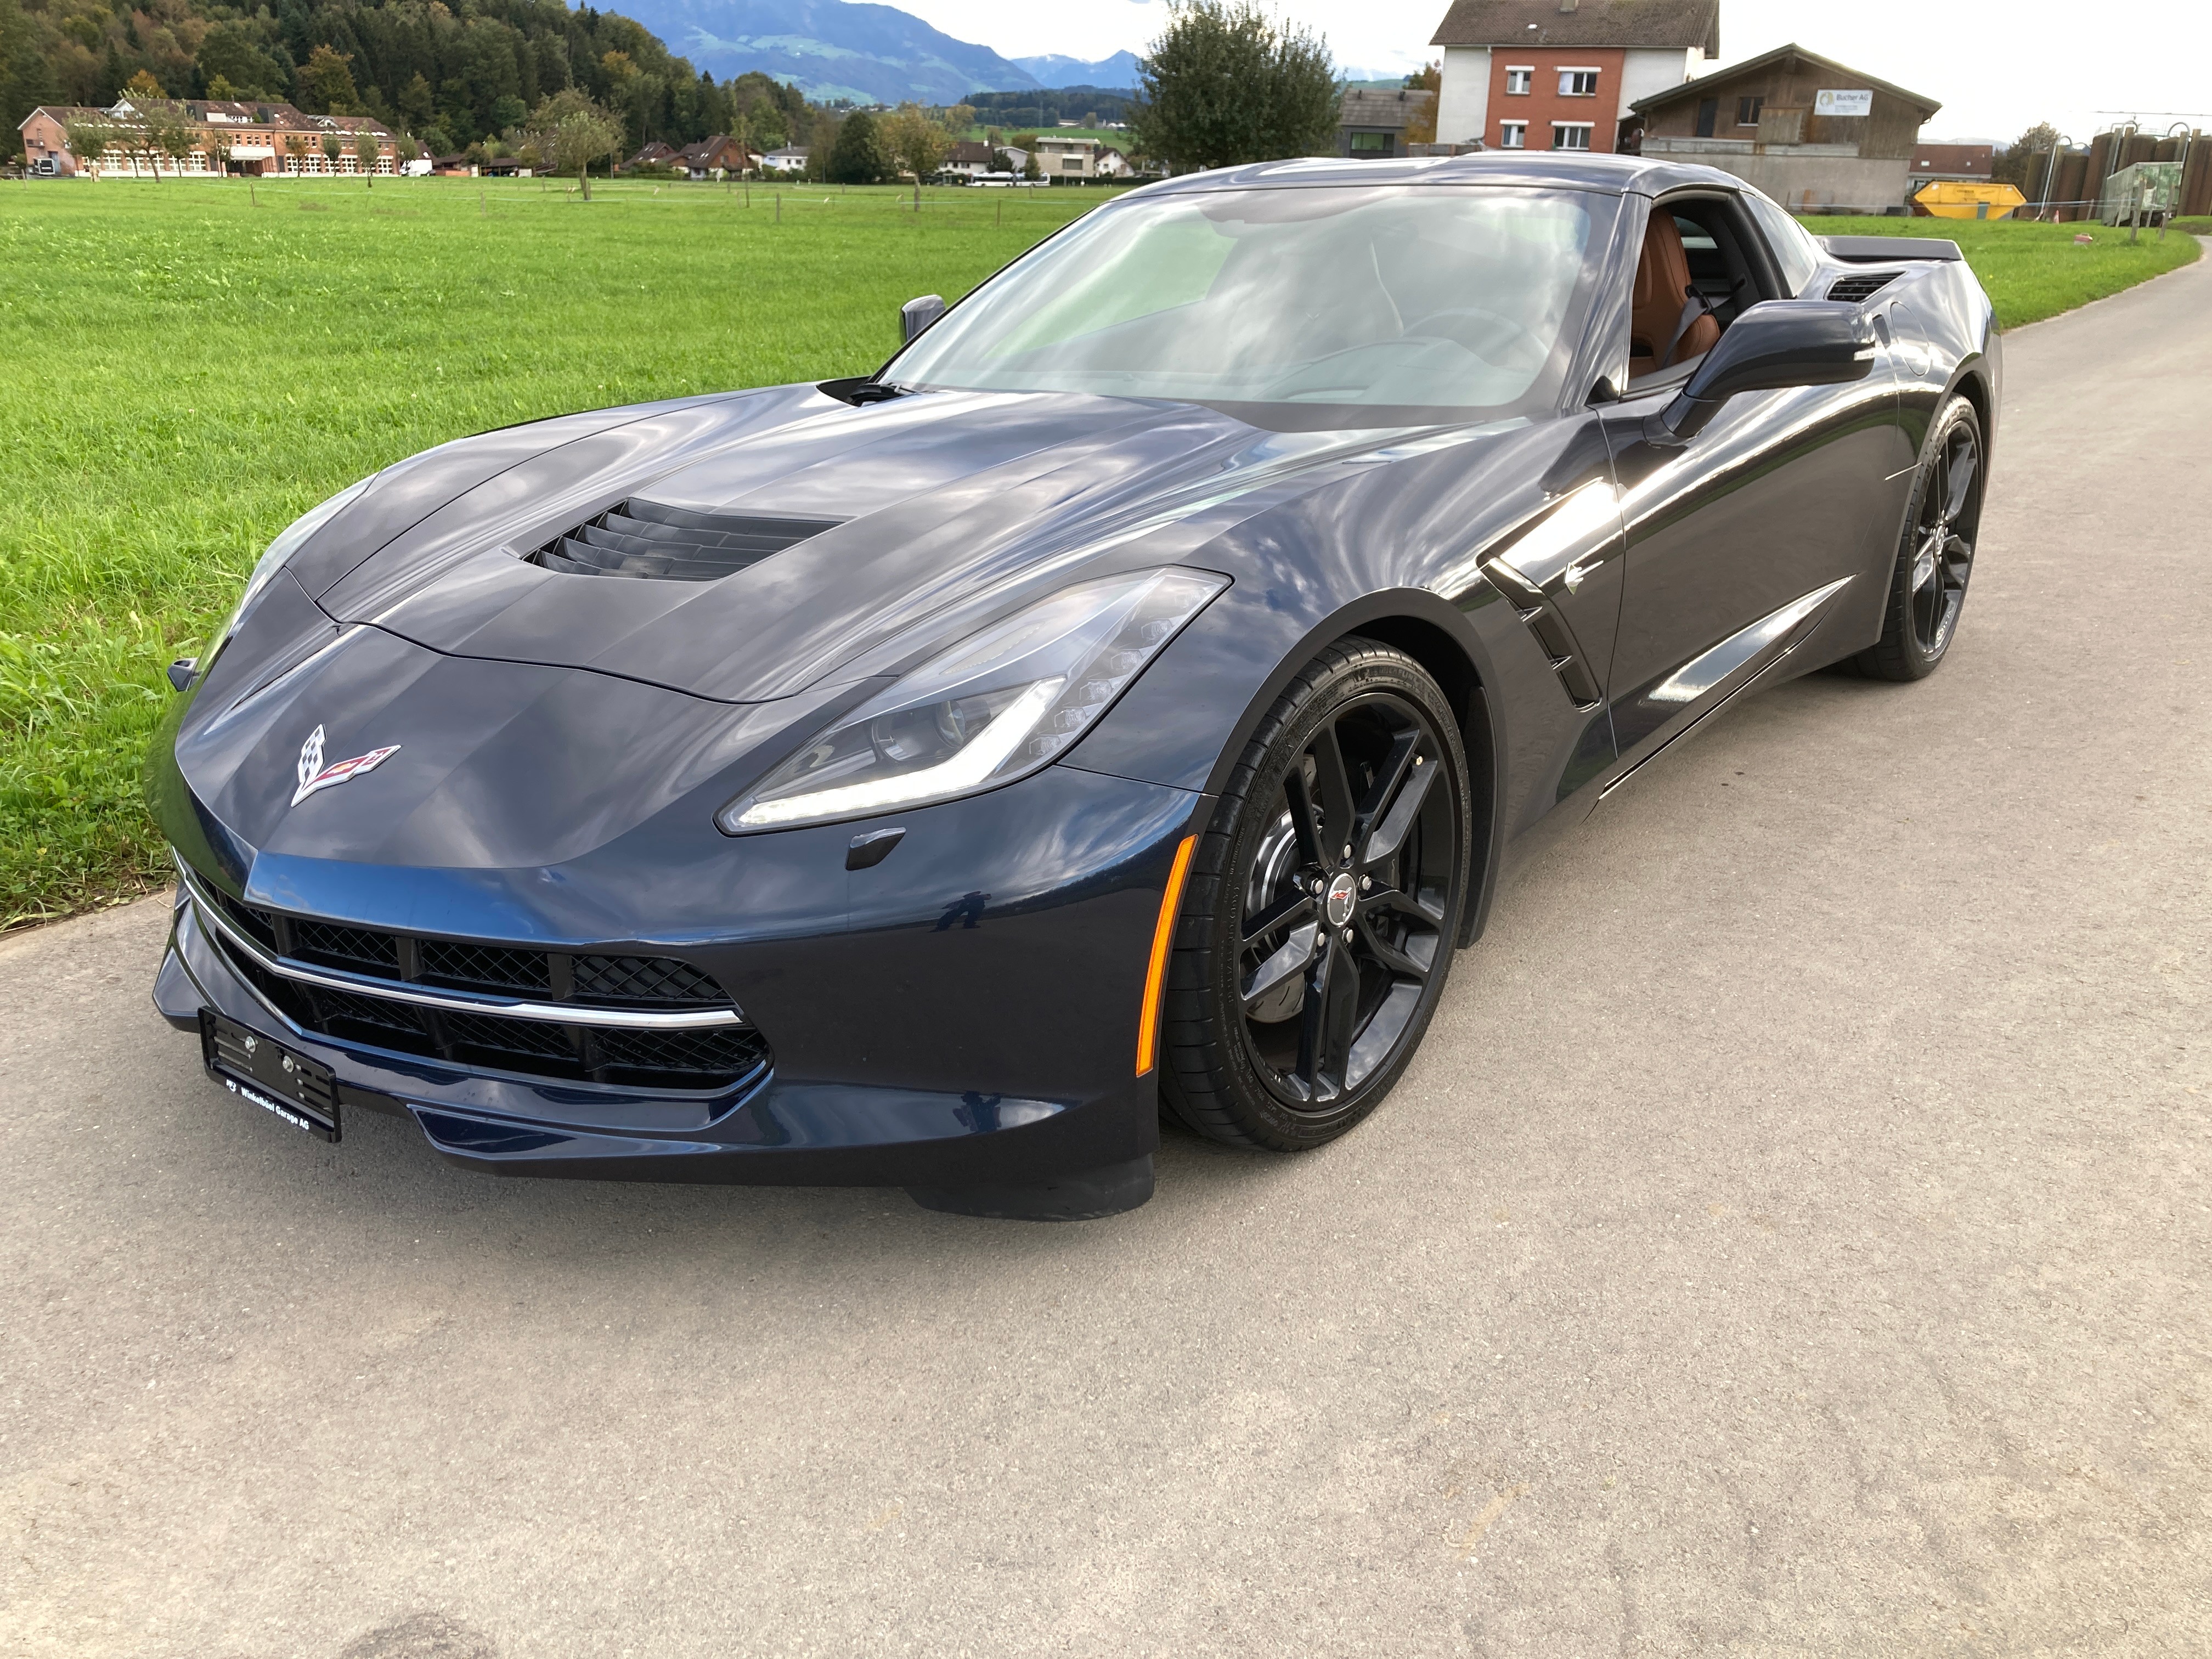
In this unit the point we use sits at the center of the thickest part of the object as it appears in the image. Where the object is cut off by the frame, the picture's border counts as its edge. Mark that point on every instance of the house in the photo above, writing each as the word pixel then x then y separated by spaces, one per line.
pixel 1112 164
pixel 1805 129
pixel 720 154
pixel 967 160
pixel 226 137
pixel 792 158
pixel 1369 125
pixel 1973 164
pixel 1065 158
pixel 1564 74
pixel 654 155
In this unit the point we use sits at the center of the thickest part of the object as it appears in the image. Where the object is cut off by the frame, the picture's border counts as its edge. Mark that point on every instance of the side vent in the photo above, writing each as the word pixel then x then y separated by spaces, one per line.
pixel 1855 288
pixel 668 544
pixel 1553 634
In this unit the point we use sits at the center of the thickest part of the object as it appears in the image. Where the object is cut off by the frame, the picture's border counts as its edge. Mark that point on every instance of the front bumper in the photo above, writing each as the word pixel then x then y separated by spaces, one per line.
pixel 961 1016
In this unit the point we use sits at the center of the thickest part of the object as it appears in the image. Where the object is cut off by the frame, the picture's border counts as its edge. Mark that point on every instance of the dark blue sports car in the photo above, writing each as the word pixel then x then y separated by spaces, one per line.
pixel 1125 700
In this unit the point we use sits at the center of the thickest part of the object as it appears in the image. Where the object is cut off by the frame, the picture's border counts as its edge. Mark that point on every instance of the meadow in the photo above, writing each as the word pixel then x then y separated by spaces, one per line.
pixel 186 366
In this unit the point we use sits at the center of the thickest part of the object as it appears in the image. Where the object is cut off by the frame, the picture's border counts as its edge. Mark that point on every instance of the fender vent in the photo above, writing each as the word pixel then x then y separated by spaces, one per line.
pixel 667 543
pixel 1853 289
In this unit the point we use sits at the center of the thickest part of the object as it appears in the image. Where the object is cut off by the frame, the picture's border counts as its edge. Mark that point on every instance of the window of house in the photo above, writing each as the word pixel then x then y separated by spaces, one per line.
pixel 1517 80
pixel 1571 135
pixel 1709 112
pixel 1746 111
pixel 1512 135
pixel 1578 84
pixel 1370 143
pixel 1071 164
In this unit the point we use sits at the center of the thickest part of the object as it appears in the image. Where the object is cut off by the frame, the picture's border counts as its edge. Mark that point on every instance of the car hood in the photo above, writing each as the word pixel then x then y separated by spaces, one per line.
pixel 941 500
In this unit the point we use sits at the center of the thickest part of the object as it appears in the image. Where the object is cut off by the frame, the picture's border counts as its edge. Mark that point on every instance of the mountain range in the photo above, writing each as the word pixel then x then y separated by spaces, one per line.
pixel 833 49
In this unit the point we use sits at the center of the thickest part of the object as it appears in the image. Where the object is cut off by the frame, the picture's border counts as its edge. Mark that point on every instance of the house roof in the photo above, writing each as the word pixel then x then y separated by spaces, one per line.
pixel 1676 25
pixel 1384 109
pixel 1856 78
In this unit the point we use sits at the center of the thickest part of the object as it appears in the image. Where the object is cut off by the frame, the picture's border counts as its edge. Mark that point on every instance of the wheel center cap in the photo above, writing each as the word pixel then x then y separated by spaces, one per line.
pixel 1343 894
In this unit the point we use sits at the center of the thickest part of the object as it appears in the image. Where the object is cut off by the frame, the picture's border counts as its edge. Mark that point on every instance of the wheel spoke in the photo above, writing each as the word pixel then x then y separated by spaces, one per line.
pixel 1303 813
pixel 1295 957
pixel 1387 953
pixel 1292 908
pixel 1334 784
pixel 1409 784
pixel 1959 478
pixel 1391 900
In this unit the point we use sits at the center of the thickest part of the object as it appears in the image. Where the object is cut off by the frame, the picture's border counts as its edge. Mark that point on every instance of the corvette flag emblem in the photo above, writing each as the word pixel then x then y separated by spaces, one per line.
pixel 314 775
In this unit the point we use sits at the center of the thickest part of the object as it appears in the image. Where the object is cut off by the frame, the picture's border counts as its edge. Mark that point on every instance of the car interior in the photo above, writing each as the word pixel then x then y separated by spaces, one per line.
pixel 1695 276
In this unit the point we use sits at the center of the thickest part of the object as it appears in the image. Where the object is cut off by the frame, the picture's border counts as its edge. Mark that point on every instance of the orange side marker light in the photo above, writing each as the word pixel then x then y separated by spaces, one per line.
pixel 1148 1020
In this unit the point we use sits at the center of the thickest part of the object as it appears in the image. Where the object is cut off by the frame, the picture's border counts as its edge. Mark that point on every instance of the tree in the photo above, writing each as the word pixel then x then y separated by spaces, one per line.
pixel 571 132
pixel 143 85
pixel 296 146
pixel 218 152
pixel 170 137
pixel 88 138
pixel 860 157
pixel 1222 84
pixel 365 151
pixel 2024 162
pixel 326 85
pixel 916 143
pixel 417 103
pixel 1421 122
pixel 333 147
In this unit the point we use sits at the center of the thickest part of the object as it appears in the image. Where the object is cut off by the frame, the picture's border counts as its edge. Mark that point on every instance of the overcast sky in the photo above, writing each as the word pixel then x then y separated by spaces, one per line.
pixel 1997 67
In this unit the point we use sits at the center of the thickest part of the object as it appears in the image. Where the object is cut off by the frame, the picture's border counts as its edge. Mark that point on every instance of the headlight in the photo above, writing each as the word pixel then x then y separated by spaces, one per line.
pixel 999 704
pixel 287 543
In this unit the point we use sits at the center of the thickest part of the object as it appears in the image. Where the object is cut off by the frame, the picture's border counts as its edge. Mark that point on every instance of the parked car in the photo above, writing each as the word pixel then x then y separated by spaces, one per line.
pixel 1126 699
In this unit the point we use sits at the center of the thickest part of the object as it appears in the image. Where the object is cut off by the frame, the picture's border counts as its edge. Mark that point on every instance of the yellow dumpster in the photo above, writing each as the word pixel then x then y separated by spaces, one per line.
pixel 1955 198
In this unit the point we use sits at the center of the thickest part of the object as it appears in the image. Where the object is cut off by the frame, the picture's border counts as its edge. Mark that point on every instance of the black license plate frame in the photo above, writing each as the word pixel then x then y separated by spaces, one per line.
pixel 263 1072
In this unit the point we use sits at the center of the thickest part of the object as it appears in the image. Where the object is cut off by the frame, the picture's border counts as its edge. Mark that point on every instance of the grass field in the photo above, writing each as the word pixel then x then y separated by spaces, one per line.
pixel 2031 271
pixel 186 366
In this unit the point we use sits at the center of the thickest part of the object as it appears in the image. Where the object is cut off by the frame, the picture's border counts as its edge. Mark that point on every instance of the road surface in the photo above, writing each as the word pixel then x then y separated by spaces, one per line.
pixel 1792 1241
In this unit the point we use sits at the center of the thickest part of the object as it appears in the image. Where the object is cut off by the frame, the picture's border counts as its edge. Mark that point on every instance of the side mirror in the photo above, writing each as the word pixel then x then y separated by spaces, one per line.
pixel 1775 343
pixel 916 315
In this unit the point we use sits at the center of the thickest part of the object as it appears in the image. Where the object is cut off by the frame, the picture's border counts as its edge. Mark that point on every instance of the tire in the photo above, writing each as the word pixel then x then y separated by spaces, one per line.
pixel 1280 1032
pixel 1935 554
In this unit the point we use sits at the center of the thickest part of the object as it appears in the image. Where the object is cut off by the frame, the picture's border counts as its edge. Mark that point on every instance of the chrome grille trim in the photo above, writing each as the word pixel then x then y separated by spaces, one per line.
pixel 459 1002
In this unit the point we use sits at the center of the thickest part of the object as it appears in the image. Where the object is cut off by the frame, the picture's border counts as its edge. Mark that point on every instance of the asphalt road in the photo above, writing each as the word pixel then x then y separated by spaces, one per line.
pixel 1792 1240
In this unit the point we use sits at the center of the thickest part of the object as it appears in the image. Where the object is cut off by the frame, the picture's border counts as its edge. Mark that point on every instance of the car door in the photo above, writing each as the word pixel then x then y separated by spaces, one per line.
pixel 1743 542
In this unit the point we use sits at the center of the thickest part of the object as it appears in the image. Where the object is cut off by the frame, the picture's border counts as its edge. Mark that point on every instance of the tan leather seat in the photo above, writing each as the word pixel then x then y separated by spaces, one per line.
pixel 1662 277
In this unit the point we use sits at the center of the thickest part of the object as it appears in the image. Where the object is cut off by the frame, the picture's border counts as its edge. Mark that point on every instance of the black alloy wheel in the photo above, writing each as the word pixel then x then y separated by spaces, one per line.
pixel 1936 555
pixel 1323 907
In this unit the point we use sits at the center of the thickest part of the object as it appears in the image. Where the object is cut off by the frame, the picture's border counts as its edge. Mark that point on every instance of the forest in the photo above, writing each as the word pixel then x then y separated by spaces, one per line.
pixel 449 74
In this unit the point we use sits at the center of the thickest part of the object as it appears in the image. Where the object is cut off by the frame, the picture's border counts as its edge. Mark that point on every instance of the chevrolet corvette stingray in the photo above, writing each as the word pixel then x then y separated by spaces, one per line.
pixel 1124 700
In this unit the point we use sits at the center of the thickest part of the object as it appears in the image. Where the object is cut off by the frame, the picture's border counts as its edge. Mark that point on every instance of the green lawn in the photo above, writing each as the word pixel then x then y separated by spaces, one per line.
pixel 2031 271
pixel 186 366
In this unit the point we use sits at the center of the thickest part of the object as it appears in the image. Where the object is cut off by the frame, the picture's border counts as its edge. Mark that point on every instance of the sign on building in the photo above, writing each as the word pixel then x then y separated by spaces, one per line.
pixel 1829 101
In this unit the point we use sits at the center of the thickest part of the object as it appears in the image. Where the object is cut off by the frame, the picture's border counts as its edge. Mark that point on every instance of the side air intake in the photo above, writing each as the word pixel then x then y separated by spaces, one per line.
pixel 1853 289
pixel 667 544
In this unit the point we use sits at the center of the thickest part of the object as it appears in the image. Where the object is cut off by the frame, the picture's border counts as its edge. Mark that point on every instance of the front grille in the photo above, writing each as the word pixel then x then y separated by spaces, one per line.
pixel 1853 289
pixel 669 543
pixel 704 1057
pixel 711 1059
pixel 594 978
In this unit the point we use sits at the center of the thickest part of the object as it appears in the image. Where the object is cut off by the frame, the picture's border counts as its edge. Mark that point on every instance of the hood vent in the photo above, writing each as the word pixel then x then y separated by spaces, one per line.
pixel 667 543
pixel 1853 289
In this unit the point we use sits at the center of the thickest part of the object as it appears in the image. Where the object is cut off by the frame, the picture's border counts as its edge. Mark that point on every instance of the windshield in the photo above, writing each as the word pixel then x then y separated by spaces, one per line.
pixel 1358 306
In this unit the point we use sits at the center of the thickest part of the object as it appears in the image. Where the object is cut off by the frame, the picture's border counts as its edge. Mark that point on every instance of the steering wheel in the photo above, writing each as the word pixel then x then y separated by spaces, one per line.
pixel 1517 349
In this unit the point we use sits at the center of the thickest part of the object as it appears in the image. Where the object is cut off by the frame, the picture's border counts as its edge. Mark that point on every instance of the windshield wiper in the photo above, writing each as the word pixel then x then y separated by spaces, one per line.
pixel 863 389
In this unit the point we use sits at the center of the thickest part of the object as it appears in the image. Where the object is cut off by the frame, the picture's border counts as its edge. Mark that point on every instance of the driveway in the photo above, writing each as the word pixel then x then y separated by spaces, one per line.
pixel 1793 1239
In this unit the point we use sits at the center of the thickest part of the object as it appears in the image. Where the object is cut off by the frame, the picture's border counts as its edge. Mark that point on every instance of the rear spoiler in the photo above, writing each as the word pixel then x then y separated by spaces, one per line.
pixel 1885 250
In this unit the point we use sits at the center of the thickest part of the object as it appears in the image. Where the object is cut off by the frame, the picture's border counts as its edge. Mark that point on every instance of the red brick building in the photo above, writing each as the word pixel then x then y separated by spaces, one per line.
pixel 227 135
pixel 1563 74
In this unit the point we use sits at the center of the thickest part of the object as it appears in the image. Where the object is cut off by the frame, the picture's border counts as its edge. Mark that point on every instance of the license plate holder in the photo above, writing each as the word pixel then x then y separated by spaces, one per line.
pixel 263 1072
